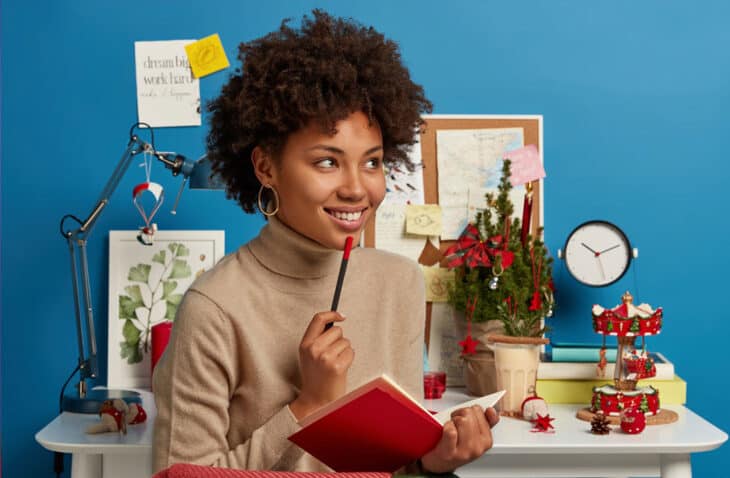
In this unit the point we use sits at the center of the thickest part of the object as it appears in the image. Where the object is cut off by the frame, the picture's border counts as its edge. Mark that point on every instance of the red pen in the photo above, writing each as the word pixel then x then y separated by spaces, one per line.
pixel 340 278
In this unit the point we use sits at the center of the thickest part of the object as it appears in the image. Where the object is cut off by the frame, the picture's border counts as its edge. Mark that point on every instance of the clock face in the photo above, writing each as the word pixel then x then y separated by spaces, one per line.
pixel 597 253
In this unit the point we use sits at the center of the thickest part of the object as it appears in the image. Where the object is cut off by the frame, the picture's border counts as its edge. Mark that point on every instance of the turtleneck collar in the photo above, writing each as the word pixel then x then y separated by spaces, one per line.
pixel 284 251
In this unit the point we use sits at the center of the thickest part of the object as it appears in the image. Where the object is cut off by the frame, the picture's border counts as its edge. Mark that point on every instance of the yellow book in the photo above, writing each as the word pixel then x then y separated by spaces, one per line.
pixel 671 392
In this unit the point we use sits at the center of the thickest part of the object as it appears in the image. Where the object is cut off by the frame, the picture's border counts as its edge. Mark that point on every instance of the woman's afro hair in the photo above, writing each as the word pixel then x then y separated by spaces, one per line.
pixel 322 72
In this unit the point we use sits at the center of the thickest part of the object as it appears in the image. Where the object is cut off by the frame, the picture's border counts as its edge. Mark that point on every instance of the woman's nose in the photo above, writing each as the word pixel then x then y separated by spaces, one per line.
pixel 352 186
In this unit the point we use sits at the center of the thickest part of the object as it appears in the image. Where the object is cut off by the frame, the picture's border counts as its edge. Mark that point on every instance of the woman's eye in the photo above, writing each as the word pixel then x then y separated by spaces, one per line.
pixel 374 163
pixel 326 163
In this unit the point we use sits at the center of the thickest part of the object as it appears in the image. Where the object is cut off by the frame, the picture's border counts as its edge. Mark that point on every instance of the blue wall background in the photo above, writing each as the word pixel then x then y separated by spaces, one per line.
pixel 634 95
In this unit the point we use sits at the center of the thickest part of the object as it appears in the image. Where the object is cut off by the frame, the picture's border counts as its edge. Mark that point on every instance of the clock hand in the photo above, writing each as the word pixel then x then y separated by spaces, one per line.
pixel 600 265
pixel 610 248
pixel 594 252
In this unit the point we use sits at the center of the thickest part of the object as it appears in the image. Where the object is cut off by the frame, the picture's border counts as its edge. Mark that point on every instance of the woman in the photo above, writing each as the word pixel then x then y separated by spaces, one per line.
pixel 302 133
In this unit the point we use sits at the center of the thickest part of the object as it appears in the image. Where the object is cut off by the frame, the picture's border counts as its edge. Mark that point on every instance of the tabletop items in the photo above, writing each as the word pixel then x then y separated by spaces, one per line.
pixel 115 415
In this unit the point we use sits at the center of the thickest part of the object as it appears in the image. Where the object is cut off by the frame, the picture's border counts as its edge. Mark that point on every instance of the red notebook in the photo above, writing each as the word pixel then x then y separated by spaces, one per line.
pixel 376 427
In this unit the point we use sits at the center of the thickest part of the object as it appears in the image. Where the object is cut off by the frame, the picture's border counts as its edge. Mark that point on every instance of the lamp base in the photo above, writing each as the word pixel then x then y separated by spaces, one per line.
pixel 94 398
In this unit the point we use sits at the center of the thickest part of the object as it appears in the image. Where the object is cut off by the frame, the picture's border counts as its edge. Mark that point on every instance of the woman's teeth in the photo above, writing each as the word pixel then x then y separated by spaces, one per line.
pixel 347 216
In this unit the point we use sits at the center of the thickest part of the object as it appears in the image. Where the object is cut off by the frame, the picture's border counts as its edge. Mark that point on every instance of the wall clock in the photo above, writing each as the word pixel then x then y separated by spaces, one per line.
pixel 597 253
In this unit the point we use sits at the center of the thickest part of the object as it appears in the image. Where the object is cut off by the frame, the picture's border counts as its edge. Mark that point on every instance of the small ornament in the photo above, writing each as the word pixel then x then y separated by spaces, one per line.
pixel 599 424
pixel 494 283
pixel 112 414
pixel 146 235
pixel 633 421
pixel 548 298
pixel 497 271
pixel 147 232
pixel 468 345
pixel 136 414
pixel 532 407
pixel 542 424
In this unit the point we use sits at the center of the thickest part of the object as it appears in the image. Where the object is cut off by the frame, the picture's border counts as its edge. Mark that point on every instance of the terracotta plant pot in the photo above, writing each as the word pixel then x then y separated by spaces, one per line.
pixel 516 361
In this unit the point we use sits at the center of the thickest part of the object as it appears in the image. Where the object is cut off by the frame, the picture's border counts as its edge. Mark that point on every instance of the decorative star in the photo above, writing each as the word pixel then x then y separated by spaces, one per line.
pixel 542 423
pixel 468 346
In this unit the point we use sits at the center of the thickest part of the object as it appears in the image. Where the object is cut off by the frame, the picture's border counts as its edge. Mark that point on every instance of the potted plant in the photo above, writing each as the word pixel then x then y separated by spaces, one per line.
pixel 503 287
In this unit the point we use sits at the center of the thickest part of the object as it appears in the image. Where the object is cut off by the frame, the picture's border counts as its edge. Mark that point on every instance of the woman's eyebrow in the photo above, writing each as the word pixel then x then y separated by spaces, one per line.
pixel 335 150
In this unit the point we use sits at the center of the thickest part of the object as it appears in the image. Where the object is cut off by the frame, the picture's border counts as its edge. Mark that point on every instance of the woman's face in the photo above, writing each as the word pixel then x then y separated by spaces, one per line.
pixel 329 186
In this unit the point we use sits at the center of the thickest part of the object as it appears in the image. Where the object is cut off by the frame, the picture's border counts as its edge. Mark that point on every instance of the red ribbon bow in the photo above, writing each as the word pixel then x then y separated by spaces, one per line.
pixel 472 251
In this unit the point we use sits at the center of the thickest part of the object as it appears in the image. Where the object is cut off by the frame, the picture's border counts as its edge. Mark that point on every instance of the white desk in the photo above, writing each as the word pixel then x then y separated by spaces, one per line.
pixel 572 451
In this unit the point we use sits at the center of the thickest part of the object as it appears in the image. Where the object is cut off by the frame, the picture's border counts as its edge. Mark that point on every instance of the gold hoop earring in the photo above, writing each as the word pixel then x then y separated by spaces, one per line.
pixel 259 202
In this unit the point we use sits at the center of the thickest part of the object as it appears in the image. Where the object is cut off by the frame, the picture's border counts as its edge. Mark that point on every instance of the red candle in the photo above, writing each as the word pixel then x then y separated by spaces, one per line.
pixel 160 337
pixel 526 213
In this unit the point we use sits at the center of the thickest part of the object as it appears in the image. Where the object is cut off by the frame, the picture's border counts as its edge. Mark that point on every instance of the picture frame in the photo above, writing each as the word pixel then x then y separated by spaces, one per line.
pixel 146 284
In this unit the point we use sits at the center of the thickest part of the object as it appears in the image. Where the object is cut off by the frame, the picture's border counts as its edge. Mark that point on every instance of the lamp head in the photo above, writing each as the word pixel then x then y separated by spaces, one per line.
pixel 202 176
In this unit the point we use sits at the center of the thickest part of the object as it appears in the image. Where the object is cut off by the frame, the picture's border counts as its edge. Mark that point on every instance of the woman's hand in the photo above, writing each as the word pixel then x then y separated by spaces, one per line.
pixel 465 438
pixel 324 359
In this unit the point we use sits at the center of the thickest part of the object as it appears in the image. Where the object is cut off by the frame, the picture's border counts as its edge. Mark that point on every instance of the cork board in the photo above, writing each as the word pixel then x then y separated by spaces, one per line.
pixel 532 134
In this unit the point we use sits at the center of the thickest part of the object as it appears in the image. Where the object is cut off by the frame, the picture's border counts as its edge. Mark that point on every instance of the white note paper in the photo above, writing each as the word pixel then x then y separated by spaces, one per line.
pixel 167 92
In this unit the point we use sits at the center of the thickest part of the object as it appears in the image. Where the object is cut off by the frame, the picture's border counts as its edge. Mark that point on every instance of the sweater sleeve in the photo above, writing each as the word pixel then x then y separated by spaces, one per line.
pixel 193 384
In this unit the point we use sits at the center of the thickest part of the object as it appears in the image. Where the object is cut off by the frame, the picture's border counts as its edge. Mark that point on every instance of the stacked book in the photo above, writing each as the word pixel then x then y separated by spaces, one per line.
pixel 568 373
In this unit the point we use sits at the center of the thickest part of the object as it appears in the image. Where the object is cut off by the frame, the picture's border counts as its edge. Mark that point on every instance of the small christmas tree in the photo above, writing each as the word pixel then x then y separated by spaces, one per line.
pixel 499 276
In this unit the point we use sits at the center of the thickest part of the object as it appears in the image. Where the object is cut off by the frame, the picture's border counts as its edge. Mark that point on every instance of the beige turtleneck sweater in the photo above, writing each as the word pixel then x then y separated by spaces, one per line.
pixel 223 386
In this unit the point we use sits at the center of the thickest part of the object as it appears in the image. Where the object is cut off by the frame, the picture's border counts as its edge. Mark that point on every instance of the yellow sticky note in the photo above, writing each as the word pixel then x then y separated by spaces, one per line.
pixel 207 56
pixel 437 279
pixel 423 219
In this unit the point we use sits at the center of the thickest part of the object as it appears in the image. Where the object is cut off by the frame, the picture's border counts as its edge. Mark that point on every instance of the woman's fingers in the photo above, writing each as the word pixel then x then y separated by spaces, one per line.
pixel 315 329
pixel 492 416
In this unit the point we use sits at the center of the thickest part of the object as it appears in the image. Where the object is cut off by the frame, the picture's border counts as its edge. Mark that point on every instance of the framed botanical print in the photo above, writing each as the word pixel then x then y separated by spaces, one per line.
pixel 146 285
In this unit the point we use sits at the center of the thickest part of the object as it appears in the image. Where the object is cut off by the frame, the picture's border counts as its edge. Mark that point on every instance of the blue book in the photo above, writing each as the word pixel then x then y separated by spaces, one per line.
pixel 563 352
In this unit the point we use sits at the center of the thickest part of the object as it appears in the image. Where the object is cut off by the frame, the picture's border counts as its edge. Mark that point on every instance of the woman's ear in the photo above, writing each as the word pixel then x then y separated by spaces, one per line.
pixel 263 166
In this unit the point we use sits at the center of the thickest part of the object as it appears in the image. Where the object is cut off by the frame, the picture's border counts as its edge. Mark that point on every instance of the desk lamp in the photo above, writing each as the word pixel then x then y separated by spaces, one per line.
pixel 198 173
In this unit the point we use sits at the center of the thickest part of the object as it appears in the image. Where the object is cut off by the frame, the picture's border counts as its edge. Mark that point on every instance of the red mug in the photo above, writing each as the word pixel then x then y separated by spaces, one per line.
pixel 434 384
pixel 160 337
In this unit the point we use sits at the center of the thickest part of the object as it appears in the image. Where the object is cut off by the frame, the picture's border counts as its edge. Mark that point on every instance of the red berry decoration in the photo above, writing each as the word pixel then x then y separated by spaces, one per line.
pixel 633 421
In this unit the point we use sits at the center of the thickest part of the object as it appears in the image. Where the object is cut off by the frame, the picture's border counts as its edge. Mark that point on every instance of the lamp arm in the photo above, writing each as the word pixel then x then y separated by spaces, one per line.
pixel 134 147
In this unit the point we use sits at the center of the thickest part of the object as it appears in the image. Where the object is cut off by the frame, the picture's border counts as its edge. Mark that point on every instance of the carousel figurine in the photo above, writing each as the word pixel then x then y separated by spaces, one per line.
pixel 627 322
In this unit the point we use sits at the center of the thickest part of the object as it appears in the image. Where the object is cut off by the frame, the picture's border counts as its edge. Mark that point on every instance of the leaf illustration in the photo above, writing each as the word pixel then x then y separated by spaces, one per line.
pixel 127 305
pixel 158 312
pixel 157 295
pixel 139 273
pixel 130 332
pixel 129 349
pixel 171 310
pixel 142 313
pixel 180 269
pixel 134 293
pixel 168 287
pixel 160 257
pixel 174 299
pixel 155 275
pixel 131 352
pixel 146 296
pixel 180 250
